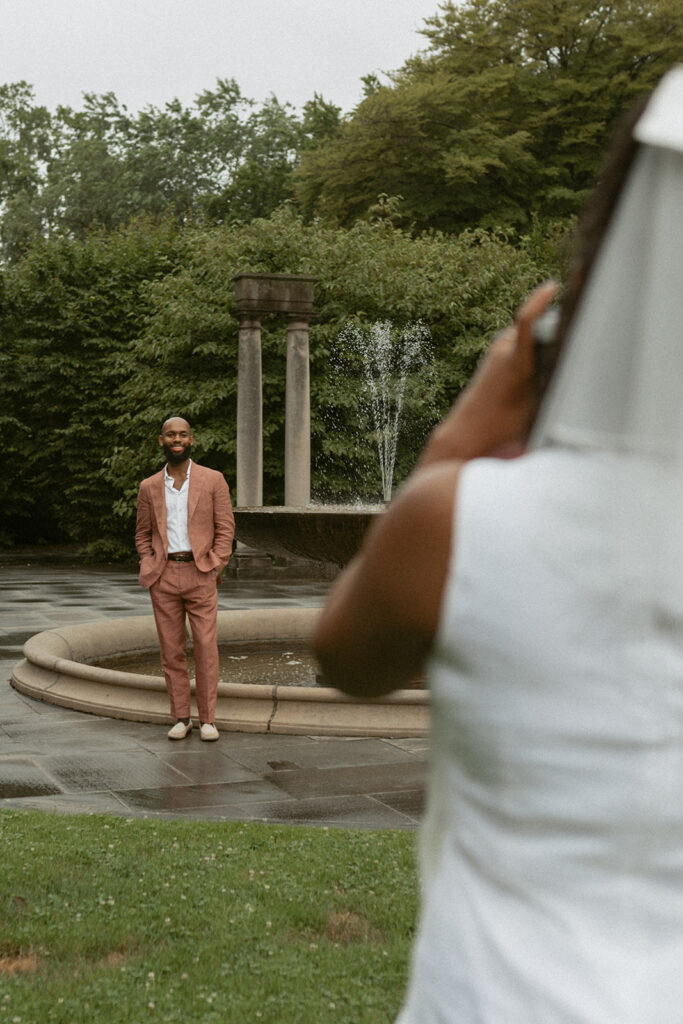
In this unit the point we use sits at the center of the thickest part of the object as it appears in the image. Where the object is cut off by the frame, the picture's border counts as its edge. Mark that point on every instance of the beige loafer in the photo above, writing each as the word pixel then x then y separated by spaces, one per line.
pixel 208 732
pixel 179 731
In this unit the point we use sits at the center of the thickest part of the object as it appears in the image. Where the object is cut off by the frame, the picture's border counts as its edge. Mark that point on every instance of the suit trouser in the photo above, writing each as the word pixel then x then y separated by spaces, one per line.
pixel 183 590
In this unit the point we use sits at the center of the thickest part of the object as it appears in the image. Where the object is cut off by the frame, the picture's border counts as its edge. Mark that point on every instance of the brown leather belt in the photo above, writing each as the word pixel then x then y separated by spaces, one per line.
pixel 181 556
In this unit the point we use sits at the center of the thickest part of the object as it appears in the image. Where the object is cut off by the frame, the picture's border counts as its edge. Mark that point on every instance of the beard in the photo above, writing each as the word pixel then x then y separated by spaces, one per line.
pixel 175 458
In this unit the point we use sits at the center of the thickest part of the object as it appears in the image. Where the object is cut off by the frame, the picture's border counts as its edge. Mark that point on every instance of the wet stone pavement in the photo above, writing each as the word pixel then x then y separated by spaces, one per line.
pixel 55 759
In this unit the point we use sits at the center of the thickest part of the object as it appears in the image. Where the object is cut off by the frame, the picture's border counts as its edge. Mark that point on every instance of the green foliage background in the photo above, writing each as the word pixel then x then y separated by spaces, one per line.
pixel 68 312
pixel 106 336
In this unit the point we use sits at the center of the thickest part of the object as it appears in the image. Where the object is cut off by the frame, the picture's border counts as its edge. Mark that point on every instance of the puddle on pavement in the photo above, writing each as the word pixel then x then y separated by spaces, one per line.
pixel 20 777
pixel 264 664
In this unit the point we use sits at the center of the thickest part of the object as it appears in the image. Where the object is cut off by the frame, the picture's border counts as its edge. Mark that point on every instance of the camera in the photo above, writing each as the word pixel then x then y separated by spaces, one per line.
pixel 546 347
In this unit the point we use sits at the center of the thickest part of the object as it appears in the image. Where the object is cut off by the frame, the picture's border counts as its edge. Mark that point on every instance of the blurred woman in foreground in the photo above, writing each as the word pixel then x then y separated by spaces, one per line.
pixel 543 596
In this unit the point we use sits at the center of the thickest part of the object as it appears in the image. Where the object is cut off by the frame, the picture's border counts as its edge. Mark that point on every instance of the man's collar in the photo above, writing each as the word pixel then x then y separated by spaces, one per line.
pixel 167 475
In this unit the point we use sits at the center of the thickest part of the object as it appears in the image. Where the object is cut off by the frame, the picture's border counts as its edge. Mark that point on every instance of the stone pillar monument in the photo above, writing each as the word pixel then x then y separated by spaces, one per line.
pixel 255 296
pixel 297 416
pixel 249 414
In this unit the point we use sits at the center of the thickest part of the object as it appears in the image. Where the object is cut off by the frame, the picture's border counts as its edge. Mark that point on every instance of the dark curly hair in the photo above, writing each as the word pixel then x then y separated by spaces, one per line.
pixel 598 212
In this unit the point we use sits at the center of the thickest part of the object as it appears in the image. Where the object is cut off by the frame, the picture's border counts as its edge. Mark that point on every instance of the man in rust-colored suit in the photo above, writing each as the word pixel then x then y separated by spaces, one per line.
pixel 184 537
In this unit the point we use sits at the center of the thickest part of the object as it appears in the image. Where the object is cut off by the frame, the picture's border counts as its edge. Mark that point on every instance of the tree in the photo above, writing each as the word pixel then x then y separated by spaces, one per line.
pixel 261 180
pixel 505 115
pixel 25 144
pixel 68 313
pixel 106 166
pixel 221 159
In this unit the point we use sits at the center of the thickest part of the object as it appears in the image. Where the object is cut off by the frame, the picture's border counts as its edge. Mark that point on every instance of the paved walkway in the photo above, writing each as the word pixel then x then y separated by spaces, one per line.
pixel 60 760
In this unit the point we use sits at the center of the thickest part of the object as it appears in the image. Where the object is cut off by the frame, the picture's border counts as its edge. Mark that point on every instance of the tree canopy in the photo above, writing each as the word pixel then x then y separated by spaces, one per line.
pixel 221 159
pixel 503 116
pixel 506 113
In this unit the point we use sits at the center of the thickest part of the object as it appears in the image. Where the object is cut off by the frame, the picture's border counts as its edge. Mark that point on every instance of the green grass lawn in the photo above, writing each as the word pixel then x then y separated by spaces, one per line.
pixel 110 919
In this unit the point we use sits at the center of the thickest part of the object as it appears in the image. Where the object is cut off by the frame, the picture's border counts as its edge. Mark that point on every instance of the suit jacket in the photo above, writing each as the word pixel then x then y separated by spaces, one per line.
pixel 210 523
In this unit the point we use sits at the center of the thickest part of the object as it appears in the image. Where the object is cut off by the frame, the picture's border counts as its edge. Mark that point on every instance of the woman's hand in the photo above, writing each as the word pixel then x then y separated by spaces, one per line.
pixel 495 412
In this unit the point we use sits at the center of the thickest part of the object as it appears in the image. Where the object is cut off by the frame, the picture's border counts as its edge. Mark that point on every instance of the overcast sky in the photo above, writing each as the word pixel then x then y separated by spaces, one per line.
pixel 150 51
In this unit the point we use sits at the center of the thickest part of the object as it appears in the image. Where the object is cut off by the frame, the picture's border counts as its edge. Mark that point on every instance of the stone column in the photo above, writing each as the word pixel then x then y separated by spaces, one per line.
pixel 297 416
pixel 249 415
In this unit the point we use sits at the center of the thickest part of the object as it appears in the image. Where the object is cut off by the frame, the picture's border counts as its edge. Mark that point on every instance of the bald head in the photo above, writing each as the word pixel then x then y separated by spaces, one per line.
pixel 174 420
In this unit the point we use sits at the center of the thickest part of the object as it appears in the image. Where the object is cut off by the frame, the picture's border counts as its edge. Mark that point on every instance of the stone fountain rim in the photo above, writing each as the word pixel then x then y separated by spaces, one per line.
pixel 57 668
pixel 348 509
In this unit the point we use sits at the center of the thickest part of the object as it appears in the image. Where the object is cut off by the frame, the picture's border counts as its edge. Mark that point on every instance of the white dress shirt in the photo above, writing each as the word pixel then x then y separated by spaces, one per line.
pixel 176 513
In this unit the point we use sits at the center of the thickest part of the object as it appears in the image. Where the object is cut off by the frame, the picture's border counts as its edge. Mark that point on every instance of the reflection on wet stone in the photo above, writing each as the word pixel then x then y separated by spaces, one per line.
pixel 20 777
pixel 264 664
pixel 99 771
pixel 207 768
pixel 193 797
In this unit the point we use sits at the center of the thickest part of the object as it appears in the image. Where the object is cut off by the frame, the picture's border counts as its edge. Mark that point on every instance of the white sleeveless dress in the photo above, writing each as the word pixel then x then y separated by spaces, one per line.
pixel 553 841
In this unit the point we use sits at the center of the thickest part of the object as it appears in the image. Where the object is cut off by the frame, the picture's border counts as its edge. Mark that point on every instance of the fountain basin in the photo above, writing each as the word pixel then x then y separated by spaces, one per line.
pixel 57 669
pixel 326 533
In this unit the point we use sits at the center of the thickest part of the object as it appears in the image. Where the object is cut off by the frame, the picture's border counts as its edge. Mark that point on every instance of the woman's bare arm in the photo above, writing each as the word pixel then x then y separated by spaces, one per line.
pixel 381 617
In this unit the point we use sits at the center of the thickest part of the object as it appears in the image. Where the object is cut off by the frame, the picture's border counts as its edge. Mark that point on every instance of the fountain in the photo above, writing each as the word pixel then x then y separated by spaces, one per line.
pixel 322 532
pixel 389 357
pixel 331 535
pixel 60 667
